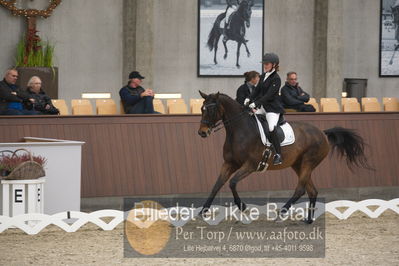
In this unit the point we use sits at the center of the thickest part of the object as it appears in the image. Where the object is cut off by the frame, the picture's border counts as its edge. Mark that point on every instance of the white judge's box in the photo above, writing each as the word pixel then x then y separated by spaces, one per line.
pixel 22 196
pixel 58 191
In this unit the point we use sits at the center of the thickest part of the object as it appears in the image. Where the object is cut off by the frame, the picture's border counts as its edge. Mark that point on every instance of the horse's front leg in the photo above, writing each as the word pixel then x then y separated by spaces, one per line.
pixel 246 48
pixel 225 47
pixel 225 173
pixel 238 54
pixel 242 173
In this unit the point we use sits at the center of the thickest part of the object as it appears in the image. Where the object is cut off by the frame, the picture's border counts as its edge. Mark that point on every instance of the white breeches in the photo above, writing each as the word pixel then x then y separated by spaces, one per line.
pixel 229 12
pixel 272 118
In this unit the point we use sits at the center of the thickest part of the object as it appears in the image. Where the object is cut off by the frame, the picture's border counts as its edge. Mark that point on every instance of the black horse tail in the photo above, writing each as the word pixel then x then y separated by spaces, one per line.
pixel 215 32
pixel 347 142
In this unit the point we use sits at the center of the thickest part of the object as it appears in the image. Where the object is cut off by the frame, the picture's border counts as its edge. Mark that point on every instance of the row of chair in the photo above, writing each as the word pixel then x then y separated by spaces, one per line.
pixel 108 107
pixel 367 104
pixel 178 106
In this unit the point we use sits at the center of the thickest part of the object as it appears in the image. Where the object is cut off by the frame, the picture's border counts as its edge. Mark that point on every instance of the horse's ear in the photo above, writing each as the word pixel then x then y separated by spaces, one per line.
pixel 217 95
pixel 203 95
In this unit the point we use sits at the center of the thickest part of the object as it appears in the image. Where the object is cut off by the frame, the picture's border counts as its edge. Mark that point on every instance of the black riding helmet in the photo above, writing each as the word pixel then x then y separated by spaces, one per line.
pixel 270 58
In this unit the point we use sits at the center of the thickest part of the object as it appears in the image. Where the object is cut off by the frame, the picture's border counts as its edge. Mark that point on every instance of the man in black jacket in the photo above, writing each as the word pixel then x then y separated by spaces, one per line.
pixel 12 97
pixel 136 99
pixel 293 96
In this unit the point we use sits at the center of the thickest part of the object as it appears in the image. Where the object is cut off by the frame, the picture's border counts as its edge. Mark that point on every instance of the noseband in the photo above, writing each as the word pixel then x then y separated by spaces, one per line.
pixel 215 126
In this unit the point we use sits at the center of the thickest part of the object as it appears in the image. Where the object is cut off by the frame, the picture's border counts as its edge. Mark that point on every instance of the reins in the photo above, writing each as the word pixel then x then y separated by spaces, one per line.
pixel 223 123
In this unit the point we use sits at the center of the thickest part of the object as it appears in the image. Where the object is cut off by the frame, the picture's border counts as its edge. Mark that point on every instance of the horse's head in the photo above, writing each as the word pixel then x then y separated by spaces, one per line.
pixel 212 112
pixel 245 9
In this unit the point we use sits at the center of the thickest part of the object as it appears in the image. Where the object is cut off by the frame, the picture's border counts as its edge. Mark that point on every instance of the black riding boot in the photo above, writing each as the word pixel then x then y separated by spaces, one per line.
pixel 277 148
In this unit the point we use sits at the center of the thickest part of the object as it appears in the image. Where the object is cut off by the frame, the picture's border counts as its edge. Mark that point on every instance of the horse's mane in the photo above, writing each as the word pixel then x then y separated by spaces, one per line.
pixel 230 101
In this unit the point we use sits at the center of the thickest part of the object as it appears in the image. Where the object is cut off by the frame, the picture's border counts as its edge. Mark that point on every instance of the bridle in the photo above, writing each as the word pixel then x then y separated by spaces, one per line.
pixel 216 126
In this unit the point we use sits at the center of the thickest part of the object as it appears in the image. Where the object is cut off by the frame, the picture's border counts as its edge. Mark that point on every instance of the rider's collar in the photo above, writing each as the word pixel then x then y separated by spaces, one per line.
pixel 267 74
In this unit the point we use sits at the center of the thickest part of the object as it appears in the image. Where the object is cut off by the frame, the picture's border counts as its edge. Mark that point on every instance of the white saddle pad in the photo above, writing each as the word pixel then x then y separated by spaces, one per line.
pixel 288 133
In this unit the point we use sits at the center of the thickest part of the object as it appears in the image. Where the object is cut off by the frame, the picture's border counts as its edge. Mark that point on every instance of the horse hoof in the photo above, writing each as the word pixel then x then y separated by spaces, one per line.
pixel 308 221
pixel 238 66
pixel 242 206
pixel 249 54
pixel 225 57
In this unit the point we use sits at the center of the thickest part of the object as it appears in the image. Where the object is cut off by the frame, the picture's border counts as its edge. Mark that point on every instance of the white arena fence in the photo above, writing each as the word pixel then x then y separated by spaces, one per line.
pixel 72 221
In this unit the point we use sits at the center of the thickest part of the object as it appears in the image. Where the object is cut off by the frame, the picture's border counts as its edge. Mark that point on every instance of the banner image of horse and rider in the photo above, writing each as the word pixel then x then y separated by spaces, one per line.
pixel 230 37
pixel 389 38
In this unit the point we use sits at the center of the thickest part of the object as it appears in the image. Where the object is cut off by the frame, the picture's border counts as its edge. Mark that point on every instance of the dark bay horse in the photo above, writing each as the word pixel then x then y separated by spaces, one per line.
pixel 243 149
pixel 240 19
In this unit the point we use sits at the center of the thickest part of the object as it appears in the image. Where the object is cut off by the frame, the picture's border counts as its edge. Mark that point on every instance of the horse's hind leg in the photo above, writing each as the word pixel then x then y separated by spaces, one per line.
pixel 225 174
pixel 312 193
pixel 304 173
pixel 216 50
pixel 242 173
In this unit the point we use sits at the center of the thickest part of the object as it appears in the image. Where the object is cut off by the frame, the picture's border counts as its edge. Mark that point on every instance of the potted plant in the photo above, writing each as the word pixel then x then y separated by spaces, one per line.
pixel 37 61
pixel 21 166
pixel 34 57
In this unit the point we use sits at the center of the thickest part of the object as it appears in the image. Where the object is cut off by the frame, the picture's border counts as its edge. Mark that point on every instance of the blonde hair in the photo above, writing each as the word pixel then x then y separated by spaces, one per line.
pixel 30 82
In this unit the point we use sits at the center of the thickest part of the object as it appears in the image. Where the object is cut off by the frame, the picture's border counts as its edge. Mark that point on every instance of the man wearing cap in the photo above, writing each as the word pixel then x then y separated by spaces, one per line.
pixel 136 99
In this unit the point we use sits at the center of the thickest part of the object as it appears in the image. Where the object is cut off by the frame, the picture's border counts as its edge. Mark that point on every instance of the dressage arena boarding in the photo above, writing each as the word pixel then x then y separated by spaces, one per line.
pixel 359 229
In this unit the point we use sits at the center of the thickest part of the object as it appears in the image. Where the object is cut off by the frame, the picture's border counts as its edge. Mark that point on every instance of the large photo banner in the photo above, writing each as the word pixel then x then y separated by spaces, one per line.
pixel 389 38
pixel 230 37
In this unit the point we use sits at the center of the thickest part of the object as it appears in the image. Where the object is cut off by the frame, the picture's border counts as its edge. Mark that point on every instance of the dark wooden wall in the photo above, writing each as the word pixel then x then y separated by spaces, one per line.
pixel 157 155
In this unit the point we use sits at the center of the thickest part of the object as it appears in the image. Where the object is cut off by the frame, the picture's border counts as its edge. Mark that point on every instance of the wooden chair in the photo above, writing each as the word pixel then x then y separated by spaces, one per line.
pixel 313 102
pixel 330 106
pixel 81 107
pixel 121 109
pixel 196 105
pixel 158 106
pixel 177 108
pixel 351 106
pixel 172 101
pixel 367 100
pixel 327 100
pixel 106 107
pixel 61 105
pixel 389 99
pixel 372 106
pixel 391 106
pixel 348 100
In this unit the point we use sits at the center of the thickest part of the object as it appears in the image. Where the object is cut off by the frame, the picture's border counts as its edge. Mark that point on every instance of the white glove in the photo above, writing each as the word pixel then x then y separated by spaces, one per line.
pixel 252 106
pixel 246 102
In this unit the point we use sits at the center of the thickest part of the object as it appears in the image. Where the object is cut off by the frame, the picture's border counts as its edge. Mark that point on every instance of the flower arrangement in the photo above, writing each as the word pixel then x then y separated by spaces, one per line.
pixel 41 56
pixel 18 166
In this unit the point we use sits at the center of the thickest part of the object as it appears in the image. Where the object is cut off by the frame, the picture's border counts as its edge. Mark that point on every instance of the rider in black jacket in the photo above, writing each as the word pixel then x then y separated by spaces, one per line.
pixel 266 100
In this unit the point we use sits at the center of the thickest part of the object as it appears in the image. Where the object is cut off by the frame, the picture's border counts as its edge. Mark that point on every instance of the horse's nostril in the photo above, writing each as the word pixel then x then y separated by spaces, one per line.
pixel 202 133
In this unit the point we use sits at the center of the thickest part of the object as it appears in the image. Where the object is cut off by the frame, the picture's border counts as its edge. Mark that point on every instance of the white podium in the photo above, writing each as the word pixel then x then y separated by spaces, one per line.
pixel 63 171
pixel 22 196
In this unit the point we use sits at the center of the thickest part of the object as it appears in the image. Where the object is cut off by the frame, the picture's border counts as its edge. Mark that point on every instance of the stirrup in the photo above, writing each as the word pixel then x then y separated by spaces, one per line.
pixel 263 165
pixel 277 159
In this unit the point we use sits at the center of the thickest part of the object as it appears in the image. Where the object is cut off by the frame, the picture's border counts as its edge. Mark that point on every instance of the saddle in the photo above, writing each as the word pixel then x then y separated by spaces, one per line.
pixel 285 135
pixel 265 125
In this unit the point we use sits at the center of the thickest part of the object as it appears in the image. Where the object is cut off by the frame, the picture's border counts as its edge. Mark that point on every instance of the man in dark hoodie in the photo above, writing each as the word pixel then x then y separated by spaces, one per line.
pixel 293 96
pixel 12 97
